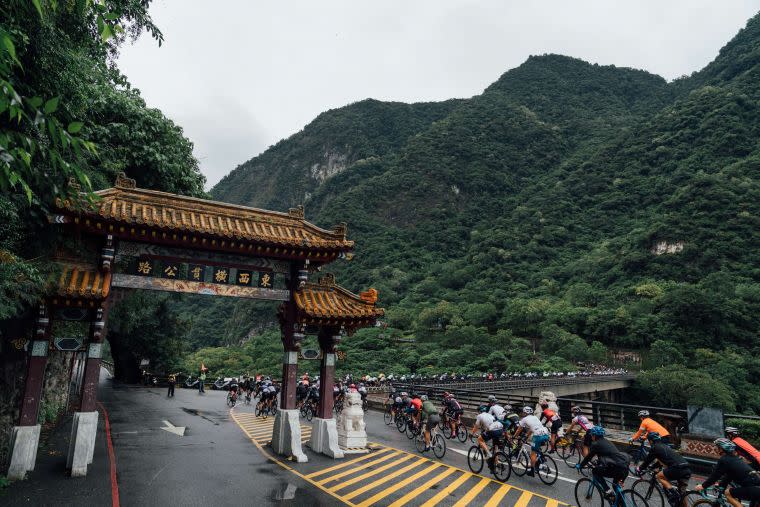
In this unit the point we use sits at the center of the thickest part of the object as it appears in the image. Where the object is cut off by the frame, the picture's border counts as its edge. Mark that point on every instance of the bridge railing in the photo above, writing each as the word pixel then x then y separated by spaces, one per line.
pixel 491 385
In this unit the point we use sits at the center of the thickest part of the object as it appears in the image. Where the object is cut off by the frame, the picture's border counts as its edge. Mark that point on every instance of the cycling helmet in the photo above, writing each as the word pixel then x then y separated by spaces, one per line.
pixel 597 431
pixel 508 407
pixel 643 413
pixel 352 386
pixel 424 397
pixel 726 445
pixel 492 399
pixel 576 410
pixel 405 394
pixel 730 430
pixel 653 435
pixel 482 408
pixel 527 410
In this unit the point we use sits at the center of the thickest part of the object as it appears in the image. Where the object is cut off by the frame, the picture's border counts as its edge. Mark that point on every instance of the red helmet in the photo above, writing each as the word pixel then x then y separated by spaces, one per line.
pixel 352 386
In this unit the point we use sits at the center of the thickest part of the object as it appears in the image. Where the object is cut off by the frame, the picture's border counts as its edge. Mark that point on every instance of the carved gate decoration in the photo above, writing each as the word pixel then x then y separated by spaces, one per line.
pixel 153 240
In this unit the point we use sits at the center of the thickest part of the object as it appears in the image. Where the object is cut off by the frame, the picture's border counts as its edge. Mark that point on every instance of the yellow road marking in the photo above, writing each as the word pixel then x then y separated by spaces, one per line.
pixel 524 499
pixel 389 491
pixel 383 480
pixel 496 498
pixel 552 503
pixel 447 490
pixel 416 492
pixel 384 457
pixel 371 473
pixel 344 464
pixel 472 493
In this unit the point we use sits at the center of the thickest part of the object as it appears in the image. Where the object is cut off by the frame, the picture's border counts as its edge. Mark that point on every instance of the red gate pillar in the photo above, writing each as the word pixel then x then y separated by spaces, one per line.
pixel 328 340
pixel 26 436
pixel 91 377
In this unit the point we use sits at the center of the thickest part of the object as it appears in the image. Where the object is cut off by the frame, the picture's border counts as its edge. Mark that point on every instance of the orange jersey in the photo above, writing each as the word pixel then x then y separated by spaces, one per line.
pixel 417 403
pixel 747 450
pixel 649 425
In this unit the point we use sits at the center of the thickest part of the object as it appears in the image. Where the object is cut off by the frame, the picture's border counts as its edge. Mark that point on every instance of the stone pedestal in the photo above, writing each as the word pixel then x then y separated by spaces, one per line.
pixel 23 445
pixel 324 437
pixel 286 435
pixel 352 434
pixel 84 429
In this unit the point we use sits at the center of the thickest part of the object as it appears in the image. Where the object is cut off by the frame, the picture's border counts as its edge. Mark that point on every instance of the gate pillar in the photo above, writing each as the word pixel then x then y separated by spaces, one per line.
pixel 26 436
pixel 324 430
pixel 84 427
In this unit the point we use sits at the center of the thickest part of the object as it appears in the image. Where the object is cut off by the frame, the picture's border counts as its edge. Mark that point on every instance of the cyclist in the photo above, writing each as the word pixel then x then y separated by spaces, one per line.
pixel 488 429
pixel 732 468
pixel 675 467
pixel 454 411
pixel 584 424
pixel 510 419
pixel 531 425
pixel 302 389
pixel 549 416
pixel 648 424
pixel 744 448
pixel 428 414
pixel 362 392
pixel 610 462
pixel 413 409
pixel 496 410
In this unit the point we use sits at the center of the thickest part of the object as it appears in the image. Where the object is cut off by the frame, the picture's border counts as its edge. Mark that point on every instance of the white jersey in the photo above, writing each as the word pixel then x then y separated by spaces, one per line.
pixel 533 424
pixel 484 421
pixel 497 411
pixel 495 426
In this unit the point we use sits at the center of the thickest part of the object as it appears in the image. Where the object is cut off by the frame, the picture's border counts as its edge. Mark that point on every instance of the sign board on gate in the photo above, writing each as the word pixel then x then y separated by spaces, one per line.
pixel 68 344
pixel 310 354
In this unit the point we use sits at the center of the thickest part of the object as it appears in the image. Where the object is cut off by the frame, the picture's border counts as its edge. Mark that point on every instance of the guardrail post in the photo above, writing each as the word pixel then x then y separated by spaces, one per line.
pixel 597 414
pixel 622 418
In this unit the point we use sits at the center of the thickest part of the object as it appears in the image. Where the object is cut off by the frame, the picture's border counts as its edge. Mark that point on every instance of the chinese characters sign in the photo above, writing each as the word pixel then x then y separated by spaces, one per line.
pixel 215 274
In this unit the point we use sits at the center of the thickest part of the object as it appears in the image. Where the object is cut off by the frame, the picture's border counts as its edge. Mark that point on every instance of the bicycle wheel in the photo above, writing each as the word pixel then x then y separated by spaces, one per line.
pixel 257 410
pixel 564 448
pixel 412 431
pixel 475 459
pixel 547 470
pixel 502 467
pixel 401 424
pixel 309 413
pixel 587 494
pixel 705 502
pixel 461 433
pixel 388 417
pixel 419 443
pixel 520 463
pixel 633 499
pixel 439 446
pixel 650 491
pixel 693 498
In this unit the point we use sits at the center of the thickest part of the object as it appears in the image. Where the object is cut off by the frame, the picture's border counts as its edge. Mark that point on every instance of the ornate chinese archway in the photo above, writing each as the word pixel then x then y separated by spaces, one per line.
pixel 145 239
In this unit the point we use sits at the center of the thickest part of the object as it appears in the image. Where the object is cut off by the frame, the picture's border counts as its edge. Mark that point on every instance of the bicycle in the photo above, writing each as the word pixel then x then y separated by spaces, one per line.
pixel 570 448
pixel 546 467
pixel 588 492
pixel 308 409
pixel 653 492
pixel 389 415
pixel 437 443
pixel 700 499
pixel 231 398
pixel 637 453
pixel 460 431
pixel 500 466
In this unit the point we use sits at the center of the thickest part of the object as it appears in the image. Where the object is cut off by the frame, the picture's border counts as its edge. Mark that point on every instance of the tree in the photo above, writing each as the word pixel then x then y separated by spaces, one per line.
pixel 678 386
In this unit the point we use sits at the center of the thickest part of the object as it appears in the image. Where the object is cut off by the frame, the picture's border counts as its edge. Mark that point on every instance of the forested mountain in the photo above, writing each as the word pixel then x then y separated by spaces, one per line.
pixel 567 209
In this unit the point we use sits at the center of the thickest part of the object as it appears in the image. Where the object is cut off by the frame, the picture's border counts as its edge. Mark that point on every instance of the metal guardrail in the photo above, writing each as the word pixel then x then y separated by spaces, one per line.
pixel 491 385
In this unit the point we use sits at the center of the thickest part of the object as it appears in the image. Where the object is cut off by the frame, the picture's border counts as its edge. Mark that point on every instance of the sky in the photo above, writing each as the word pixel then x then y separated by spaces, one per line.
pixel 239 75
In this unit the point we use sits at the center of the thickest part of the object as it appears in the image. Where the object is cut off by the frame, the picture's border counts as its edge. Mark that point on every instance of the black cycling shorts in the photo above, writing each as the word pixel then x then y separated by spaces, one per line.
pixel 614 472
pixel 556 426
pixel 432 421
pixel 749 493
pixel 677 473
pixel 587 439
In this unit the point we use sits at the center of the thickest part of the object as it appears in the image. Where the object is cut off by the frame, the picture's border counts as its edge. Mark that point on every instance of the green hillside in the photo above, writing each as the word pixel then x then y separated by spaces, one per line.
pixel 570 208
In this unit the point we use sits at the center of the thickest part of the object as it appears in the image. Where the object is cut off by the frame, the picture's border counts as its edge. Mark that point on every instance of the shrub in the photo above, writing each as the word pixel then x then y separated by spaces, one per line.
pixel 749 428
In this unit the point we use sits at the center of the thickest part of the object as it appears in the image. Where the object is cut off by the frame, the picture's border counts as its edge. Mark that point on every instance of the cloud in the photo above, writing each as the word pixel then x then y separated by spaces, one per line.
pixel 241 75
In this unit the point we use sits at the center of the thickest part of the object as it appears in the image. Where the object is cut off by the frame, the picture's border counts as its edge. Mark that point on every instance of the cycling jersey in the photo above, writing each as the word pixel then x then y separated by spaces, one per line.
pixel 649 425
pixel 665 455
pixel 497 411
pixel 453 406
pixel 484 421
pixel 533 425
pixel 550 415
pixel 582 421
pixel 607 454
pixel 734 469
pixel 428 409
pixel 745 449
pixel 416 403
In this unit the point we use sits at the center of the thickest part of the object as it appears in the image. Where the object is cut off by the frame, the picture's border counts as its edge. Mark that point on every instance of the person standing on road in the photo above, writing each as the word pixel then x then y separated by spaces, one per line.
pixel 172 382
pixel 202 378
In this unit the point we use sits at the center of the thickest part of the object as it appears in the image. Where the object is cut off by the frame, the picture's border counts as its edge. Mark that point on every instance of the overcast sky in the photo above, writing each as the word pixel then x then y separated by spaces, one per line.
pixel 240 75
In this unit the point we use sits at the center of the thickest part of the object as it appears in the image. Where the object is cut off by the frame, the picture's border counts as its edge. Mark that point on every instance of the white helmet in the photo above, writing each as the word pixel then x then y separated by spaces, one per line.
pixel 527 410
pixel 643 413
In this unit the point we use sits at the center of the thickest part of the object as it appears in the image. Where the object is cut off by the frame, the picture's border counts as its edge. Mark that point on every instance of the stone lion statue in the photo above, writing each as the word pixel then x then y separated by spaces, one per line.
pixel 550 398
pixel 352 416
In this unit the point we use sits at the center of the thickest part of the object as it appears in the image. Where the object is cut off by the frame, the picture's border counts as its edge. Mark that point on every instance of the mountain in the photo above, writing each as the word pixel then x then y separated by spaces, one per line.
pixel 567 209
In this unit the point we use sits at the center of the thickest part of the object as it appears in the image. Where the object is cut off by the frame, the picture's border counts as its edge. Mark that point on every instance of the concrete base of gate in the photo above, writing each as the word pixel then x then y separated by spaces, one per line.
pixel 324 438
pixel 24 443
pixel 84 428
pixel 286 435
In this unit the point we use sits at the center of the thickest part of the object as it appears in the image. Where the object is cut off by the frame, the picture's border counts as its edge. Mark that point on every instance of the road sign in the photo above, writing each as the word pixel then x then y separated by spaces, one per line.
pixel 68 344
pixel 310 354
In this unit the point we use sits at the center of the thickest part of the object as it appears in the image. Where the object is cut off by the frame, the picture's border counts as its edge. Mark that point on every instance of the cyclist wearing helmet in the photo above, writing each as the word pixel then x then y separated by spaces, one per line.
pixel 414 409
pixel 675 467
pixel 496 410
pixel 610 462
pixel 584 424
pixel 531 425
pixel 510 418
pixel 744 448
pixel 489 428
pixel 454 411
pixel 550 416
pixel 731 468
pixel 648 424
pixel 430 414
